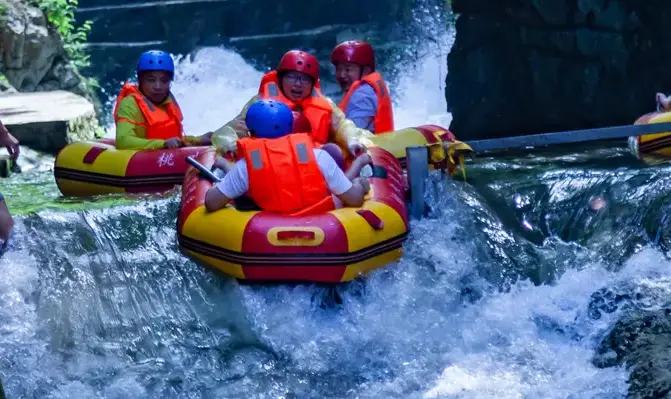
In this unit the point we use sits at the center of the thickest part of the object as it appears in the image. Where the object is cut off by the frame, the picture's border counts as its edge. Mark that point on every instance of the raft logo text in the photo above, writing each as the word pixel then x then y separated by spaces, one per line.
pixel 166 159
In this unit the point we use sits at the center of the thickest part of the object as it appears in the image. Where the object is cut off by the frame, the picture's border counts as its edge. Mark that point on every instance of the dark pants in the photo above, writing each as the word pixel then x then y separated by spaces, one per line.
pixel 336 153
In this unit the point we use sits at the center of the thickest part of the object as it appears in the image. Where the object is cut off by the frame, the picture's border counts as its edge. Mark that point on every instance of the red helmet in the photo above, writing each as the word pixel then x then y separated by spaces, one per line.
pixel 355 51
pixel 297 60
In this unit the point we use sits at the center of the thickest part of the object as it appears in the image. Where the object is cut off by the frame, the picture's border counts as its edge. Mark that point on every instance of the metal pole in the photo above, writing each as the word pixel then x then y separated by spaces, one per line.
pixel 418 170
pixel 568 137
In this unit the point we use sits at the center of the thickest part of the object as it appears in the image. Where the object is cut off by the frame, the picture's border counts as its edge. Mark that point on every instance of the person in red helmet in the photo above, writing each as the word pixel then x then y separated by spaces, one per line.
pixel 295 82
pixel 366 102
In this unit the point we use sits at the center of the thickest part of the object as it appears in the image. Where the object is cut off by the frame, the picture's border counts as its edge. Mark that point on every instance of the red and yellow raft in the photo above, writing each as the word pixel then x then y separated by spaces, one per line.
pixel 97 167
pixel 652 148
pixel 333 247
pixel 432 136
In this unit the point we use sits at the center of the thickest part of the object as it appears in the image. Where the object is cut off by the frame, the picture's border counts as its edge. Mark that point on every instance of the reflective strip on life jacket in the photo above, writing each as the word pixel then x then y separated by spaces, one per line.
pixel 384 115
pixel 284 176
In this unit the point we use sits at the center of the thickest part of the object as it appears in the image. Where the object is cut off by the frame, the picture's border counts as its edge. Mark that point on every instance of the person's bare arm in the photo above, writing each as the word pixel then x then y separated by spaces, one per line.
pixel 232 186
pixel 354 196
pixel 6 221
pixel 663 102
pixel 355 169
pixel 215 199
pixel 8 141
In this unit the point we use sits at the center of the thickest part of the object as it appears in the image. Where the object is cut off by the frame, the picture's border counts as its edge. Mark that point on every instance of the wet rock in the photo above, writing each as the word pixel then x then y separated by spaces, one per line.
pixel 641 341
pixel 608 300
pixel 628 296
pixel 32 57
pixel 526 67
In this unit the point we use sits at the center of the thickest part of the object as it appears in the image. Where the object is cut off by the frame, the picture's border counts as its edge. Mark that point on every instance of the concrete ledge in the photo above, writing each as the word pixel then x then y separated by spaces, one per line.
pixel 47 121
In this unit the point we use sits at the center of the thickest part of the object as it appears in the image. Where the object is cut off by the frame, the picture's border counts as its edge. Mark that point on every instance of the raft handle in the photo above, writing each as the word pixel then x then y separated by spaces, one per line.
pixel 379 171
pixel 373 220
pixel 294 234
pixel 93 154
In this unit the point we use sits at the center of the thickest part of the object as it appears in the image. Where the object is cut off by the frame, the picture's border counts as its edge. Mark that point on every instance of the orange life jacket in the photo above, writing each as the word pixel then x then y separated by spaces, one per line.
pixel 315 108
pixel 284 176
pixel 161 124
pixel 384 115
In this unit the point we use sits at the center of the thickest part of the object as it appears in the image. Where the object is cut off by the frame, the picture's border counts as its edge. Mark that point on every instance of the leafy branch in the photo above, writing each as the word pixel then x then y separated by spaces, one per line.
pixel 61 14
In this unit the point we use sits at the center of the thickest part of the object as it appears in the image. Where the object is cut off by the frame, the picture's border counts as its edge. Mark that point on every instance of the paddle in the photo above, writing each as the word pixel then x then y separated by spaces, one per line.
pixel 206 173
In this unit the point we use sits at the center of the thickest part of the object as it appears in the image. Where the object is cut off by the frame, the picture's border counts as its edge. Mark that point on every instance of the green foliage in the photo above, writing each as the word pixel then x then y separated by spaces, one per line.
pixel 61 14
pixel 451 17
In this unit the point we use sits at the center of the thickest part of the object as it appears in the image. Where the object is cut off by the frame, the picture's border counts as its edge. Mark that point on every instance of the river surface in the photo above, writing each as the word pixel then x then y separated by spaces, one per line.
pixel 491 299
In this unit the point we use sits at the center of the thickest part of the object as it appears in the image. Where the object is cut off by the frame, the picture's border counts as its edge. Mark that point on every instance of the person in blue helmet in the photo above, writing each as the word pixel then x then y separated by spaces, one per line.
pixel 147 115
pixel 283 172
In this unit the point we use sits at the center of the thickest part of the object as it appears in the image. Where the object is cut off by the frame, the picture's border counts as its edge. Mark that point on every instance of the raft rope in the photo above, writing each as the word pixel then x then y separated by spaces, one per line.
pixel 438 154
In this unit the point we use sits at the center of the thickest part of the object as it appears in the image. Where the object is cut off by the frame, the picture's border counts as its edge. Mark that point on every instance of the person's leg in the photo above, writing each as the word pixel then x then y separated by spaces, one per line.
pixel 336 153
pixel 6 221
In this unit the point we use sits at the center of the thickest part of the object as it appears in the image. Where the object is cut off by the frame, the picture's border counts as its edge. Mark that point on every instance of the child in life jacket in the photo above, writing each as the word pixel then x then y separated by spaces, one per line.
pixel 283 172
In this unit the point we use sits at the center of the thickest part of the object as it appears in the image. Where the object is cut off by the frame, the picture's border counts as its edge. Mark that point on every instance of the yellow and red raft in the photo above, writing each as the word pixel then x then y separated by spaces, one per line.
pixel 432 136
pixel 652 148
pixel 97 167
pixel 332 247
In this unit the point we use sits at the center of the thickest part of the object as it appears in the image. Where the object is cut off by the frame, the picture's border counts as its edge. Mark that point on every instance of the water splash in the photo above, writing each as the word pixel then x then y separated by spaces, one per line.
pixel 99 303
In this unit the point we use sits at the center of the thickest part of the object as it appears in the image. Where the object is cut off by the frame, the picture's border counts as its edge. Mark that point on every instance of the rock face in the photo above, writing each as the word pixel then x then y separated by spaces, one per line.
pixel 32 57
pixel 642 341
pixel 48 121
pixel 536 66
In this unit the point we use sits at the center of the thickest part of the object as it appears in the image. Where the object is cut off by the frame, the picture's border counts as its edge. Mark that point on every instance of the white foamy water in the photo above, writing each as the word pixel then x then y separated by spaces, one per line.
pixel 420 93
pixel 407 334
pixel 214 84
pixel 496 348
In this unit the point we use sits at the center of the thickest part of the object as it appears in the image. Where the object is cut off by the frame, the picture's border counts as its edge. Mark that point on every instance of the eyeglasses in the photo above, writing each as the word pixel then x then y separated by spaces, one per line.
pixel 298 78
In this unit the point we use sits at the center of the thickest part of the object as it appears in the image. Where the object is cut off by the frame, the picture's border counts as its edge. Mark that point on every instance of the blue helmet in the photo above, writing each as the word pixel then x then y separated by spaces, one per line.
pixel 155 60
pixel 269 119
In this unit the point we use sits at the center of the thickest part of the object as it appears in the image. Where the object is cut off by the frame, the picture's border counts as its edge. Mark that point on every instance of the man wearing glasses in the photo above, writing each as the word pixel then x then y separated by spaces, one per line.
pixel 295 82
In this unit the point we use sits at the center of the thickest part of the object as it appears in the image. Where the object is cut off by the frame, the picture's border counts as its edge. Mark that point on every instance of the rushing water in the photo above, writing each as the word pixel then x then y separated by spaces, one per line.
pixel 491 299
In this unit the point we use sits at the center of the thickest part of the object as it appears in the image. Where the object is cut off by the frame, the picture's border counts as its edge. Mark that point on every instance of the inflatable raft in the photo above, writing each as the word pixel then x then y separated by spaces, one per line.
pixel 397 141
pixel 652 148
pixel 333 247
pixel 97 167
